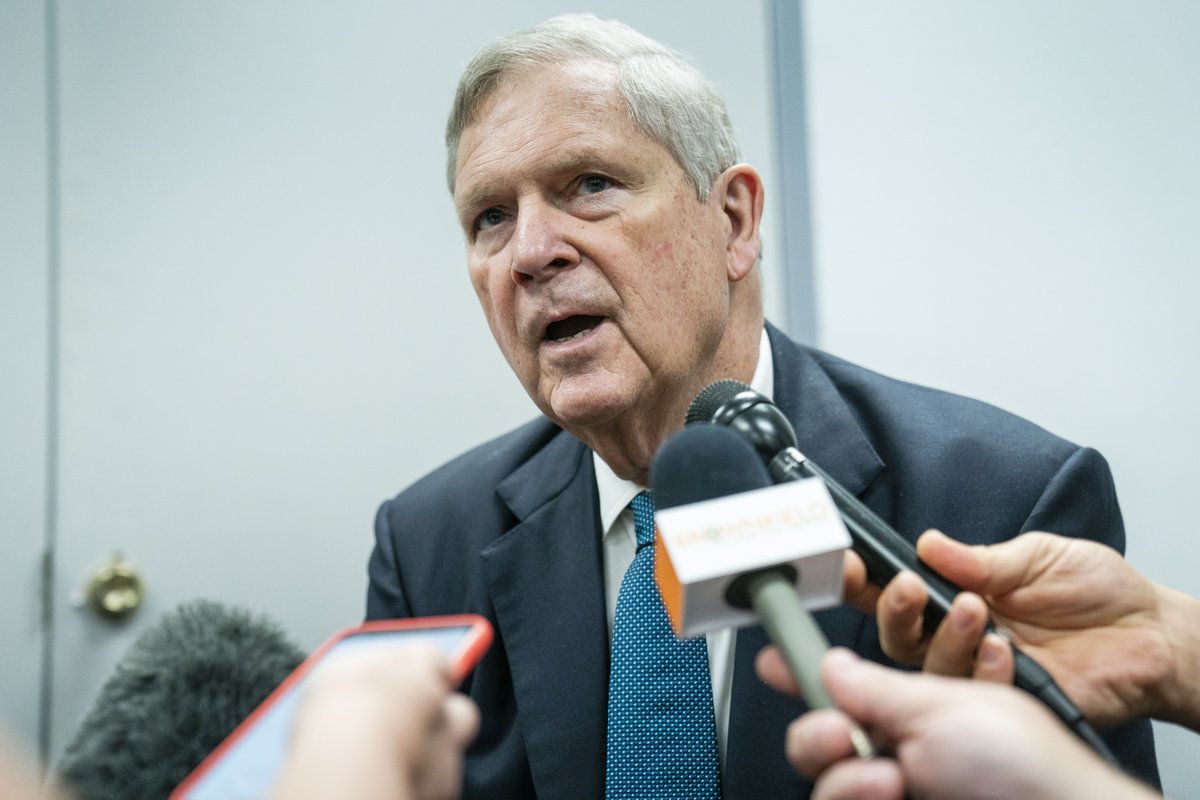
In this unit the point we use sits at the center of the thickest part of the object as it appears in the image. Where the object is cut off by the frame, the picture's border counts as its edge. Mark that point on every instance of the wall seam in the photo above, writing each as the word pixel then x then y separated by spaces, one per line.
pixel 791 125
pixel 53 375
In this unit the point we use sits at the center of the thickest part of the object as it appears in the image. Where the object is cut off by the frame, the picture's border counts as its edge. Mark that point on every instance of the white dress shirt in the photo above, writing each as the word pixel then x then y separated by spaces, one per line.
pixel 619 542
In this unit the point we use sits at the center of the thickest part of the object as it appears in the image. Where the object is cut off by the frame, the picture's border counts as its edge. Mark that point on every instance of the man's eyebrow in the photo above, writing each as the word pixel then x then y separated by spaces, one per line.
pixel 571 162
pixel 582 161
pixel 473 198
pixel 565 163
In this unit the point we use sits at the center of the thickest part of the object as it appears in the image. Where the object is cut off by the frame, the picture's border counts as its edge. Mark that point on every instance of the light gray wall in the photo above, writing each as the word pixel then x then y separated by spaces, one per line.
pixel 1005 201
pixel 23 357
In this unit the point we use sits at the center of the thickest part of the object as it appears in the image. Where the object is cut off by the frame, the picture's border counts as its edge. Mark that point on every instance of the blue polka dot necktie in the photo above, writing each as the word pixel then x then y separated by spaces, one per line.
pixel 662 736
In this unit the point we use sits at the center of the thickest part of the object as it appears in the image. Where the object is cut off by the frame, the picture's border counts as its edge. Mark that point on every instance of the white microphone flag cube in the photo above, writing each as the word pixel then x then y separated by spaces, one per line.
pixel 703 547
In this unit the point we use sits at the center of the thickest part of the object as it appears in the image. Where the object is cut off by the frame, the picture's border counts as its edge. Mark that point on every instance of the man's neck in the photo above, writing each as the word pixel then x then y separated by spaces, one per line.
pixel 635 480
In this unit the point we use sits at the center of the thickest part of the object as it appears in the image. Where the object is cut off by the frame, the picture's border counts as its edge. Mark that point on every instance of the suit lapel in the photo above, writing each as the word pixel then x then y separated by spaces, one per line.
pixel 826 431
pixel 546 585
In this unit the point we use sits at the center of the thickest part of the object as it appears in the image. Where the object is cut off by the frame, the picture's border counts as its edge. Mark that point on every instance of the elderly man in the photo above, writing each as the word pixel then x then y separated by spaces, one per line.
pixel 613 239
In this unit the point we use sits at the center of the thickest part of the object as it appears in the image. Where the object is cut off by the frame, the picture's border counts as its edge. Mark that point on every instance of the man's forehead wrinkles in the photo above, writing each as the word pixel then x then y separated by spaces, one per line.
pixel 482 174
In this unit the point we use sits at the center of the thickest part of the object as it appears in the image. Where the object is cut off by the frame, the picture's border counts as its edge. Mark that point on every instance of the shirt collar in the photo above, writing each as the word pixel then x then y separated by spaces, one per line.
pixel 616 493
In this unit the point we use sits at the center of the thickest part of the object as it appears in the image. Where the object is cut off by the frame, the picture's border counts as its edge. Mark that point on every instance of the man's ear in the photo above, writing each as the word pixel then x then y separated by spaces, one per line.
pixel 741 196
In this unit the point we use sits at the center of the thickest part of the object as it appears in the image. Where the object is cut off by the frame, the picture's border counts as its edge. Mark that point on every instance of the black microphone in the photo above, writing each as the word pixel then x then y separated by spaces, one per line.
pixel 180 689
pixel 706 462
pixel 885 553
pixel 733 404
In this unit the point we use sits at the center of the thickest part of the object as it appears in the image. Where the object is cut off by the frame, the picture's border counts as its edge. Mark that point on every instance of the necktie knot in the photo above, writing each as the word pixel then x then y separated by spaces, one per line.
pixel 643 519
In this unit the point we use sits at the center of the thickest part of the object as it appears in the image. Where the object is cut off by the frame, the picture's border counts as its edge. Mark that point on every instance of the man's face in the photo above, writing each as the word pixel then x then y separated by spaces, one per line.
pixel 603 278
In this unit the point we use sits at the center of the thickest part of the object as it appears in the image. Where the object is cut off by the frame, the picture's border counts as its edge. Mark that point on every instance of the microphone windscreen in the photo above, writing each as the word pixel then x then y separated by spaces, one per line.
pixel 705 405
pixel 181 688
pixel 703 462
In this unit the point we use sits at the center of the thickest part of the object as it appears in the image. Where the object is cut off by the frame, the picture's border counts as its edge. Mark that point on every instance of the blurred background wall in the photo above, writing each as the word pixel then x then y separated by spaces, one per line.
pixel 234 314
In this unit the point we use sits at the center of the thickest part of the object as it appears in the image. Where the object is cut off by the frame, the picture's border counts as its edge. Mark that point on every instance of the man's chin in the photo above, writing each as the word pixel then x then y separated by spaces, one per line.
pixel 579 410
pixel 581 417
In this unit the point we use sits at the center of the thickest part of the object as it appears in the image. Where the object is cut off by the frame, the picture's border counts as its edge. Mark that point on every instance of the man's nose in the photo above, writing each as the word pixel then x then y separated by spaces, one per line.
pixel 540 246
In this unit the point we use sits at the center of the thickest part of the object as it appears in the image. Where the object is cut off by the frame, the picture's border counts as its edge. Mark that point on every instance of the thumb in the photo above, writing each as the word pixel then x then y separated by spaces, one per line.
pixel 462 719
pixel 883 700
pixel 984 569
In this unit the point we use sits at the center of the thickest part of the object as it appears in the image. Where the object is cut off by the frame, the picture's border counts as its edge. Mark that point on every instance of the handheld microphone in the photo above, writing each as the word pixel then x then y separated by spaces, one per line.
pixel 695 469
pixel 184 684
pixel 733 404
pixel 760 422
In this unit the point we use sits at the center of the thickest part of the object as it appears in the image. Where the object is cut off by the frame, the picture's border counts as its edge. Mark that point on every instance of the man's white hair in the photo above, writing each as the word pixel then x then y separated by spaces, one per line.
pixel 667 97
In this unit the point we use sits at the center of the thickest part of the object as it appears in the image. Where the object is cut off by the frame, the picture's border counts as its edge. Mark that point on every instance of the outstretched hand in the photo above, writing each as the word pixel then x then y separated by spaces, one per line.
pixel 949 739
pixel 1077 607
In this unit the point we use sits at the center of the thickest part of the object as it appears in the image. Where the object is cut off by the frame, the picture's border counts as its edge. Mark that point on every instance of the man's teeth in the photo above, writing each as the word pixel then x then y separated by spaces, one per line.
pixel 579 335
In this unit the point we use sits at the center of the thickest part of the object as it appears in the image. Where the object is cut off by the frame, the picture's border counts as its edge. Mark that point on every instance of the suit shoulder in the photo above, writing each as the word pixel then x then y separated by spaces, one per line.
pixel 970 468
pixel 480 468
pixel 900 412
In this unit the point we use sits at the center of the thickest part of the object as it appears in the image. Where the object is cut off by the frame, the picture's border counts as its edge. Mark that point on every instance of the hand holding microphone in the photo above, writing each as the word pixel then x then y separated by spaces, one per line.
pixel 950 739
pixel 1132 652
pixel 884 552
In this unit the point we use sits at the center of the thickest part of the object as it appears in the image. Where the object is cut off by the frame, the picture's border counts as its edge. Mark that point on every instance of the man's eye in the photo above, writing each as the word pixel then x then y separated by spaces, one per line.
pixel 489 218
pixel 594 184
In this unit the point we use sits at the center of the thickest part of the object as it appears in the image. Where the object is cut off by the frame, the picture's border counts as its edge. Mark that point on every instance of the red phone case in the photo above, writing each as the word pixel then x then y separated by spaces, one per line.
pixel 473 642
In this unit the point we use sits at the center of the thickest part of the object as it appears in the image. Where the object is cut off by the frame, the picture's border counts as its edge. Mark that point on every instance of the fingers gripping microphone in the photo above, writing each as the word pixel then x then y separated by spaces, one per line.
pixel 704 463
pixel 885 552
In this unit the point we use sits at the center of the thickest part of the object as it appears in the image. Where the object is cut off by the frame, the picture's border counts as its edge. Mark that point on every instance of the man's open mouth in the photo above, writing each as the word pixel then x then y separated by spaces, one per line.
pixel 576 327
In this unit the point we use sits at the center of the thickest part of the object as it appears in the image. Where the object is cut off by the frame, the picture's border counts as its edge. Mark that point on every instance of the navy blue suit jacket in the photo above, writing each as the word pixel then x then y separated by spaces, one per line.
pixel 511 530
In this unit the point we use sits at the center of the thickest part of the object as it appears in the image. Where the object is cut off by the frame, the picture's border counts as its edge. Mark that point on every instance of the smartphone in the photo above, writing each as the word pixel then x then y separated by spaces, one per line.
pixel 246 765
